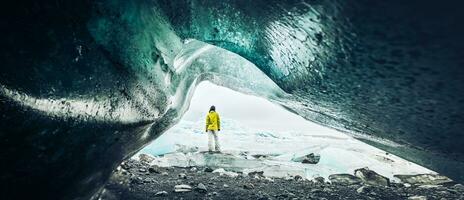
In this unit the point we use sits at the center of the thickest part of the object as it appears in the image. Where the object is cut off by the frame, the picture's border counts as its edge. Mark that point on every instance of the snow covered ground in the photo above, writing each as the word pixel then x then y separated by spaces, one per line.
pixel 254 126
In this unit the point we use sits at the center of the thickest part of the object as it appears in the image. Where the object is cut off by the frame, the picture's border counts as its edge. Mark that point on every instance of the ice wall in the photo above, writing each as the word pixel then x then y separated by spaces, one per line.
pixel 85 84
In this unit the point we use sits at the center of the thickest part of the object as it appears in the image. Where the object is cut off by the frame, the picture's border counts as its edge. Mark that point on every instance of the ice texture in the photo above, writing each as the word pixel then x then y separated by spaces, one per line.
pixel 86 84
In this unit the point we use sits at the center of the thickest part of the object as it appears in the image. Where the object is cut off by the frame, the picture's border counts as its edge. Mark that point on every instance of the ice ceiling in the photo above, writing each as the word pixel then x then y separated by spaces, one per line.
pixel 85 84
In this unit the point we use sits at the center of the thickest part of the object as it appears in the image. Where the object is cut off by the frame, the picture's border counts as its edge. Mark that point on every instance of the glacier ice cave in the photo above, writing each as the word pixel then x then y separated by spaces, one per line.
pixel 86 84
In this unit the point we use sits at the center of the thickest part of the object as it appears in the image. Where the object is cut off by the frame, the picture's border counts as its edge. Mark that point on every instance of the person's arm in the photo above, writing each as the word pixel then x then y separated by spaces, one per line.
pixel 207 123
pixel 219 123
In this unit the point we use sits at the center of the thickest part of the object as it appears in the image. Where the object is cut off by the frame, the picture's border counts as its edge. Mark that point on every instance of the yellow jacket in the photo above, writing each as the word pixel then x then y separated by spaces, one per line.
pixel 213 122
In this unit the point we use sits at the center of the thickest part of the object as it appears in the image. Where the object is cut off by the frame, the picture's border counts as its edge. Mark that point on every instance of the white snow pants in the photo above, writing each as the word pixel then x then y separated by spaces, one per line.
pixel 213 138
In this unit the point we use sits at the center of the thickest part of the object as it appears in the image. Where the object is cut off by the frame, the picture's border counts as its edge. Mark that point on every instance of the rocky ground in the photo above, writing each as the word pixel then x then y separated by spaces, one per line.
pixel 136 179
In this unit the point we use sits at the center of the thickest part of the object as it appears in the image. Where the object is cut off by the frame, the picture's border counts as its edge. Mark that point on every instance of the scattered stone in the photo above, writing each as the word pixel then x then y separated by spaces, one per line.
pixel 182 188
pixel 259 156
pixel 142 170
pixel 145 158
pixel 136 180
pixel 193 169
pixel 417 198
pixel 319 179
pixel 315 190
pixel 182 176
pixel 458 187
pixel 164 174
pixel 125 166
pixel 311 159
pixel 153 170
pixel 327 190
pixel 371 177
pixel 248 186
pixel 364 189
pixel 308 159
pixel 161 193
pixel 245 186
pixel 263 198
pixel 201 188
pixel 344 179
pixel 256 174
pixel 424 179
pixel 268 179
pixel 207 169
pixel 298 178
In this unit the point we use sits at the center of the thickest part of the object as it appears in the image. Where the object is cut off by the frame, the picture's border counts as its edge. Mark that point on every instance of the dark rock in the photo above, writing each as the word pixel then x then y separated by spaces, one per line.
pixel 153 170
pixel 136 180
pixel 256 174
pixel 458 187
pixel 213 194
pixel 125 166
pixel 298 178
pixel 282 188
pixel 371 177
pixel 207 169
pixel 263 198
pixel 248 186
pixel 201 188
pixel 161 193
pixel 364 189
pixel 182 176
pixel 327 190
pixel 319 179
pixel 344 179
pixel 308 159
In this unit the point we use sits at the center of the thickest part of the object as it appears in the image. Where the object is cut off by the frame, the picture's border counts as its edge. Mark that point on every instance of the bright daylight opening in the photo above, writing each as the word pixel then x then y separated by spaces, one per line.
pixel 257 135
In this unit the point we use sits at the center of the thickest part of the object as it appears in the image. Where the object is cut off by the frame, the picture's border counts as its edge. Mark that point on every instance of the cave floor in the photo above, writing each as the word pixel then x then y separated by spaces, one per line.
pixel 135 180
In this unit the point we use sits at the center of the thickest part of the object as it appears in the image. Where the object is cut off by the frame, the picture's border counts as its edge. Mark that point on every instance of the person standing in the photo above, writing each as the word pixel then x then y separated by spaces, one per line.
pixel 213 125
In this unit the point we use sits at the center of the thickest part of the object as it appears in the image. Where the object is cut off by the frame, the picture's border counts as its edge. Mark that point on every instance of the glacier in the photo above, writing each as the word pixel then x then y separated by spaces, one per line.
pixel 86 84
pixel 252 139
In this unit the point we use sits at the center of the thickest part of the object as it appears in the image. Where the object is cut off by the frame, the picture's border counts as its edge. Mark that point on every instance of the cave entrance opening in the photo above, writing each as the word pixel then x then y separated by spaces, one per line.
pixel 257 134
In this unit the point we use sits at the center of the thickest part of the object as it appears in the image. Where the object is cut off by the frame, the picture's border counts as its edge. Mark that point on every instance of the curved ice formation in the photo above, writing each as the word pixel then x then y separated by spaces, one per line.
pixel 85 84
